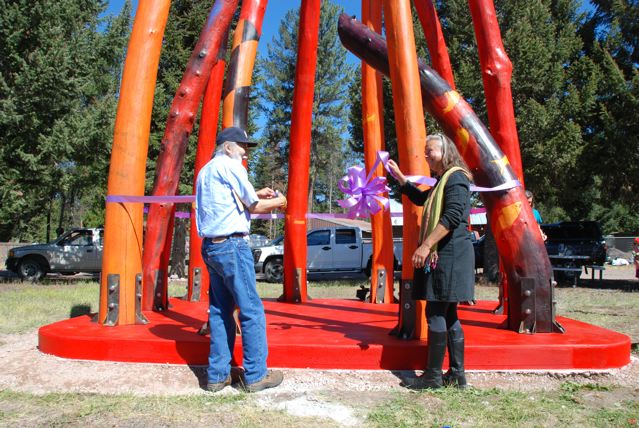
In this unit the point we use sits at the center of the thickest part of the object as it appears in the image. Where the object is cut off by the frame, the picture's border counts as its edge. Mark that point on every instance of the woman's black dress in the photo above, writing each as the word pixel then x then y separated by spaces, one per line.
pixel 453 279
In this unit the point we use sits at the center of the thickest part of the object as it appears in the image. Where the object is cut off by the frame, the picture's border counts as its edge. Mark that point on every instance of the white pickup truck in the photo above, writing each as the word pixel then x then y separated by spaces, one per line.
pixel 329 250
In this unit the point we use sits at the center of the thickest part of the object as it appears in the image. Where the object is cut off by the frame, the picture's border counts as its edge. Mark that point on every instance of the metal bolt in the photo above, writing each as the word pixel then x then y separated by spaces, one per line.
pixel 111 305
pixel 527 293
pixel 527 311
pixel 406 305
pixel 202 53
pixel 112 288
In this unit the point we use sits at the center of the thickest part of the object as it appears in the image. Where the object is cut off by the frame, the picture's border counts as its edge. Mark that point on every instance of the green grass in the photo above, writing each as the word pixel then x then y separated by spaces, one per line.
pixel 565 406
pixel 26 306
pixel 64 410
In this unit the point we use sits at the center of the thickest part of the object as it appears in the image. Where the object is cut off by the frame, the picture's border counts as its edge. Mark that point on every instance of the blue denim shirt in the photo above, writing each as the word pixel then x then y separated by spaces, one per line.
pixel 222 197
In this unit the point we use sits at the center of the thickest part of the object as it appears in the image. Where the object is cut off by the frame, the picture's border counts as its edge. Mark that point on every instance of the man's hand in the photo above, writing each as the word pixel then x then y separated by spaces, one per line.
pixel 266 193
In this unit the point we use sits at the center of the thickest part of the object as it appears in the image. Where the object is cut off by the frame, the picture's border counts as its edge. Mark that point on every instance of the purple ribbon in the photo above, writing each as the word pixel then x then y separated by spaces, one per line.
pixel 364 192
pixel 364 199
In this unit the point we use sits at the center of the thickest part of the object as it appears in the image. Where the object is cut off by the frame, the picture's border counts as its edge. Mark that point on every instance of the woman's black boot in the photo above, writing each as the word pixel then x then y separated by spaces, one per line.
pixel 455 374
pixel 432 377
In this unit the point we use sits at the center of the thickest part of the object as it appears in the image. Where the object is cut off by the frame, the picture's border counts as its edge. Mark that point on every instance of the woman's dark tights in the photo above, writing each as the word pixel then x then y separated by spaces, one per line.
pixel 441 316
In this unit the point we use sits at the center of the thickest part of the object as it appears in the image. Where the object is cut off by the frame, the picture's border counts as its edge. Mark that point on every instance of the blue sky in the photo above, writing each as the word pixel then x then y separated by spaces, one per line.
pixel 275 11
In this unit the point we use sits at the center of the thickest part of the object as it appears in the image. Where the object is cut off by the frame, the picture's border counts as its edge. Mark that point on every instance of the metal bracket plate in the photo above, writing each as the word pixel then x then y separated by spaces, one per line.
pixel 158 292
pixel 113 299
pixel 297 294
pixel 381 286
pixel 406 328
pixel 197 285
pixel 528 306
pixel 139 316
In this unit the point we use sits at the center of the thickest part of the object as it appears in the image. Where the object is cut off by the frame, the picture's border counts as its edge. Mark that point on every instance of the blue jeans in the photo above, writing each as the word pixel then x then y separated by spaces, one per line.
pixel 232 282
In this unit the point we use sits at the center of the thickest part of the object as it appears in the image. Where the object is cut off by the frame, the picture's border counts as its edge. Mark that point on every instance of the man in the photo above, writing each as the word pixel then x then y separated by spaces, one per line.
pixel 223 204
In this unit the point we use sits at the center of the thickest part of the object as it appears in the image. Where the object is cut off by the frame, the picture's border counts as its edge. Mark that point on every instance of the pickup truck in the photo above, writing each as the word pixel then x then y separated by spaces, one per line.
pixel 78 250
pixel 571 245
pixel 329 250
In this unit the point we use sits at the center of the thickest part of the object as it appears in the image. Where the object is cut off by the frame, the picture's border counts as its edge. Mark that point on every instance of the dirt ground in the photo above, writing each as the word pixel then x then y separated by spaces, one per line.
pixel 25 369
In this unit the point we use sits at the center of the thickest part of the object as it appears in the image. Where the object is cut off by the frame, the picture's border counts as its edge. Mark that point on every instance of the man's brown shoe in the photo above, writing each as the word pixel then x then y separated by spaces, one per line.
pixel 272 379
pixel 215 387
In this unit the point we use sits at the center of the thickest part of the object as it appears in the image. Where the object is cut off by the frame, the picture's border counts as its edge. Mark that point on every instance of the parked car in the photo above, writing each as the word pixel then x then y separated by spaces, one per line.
pixel 257 240
pixel 78 250
pixel 329 250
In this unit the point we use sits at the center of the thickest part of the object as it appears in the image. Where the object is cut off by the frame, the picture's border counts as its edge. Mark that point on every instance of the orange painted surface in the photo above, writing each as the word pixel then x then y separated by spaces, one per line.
pixel 373 127
pixel 427 15
pixel 300 153
pixel 409 122
pixel 123 222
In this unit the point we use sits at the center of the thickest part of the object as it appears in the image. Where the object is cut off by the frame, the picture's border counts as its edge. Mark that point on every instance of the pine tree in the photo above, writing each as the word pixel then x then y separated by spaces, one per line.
pixel 330 108
pixel 59 69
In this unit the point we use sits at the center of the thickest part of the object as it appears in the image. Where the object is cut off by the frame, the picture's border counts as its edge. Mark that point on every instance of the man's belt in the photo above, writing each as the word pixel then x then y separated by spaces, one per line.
pixel 219 239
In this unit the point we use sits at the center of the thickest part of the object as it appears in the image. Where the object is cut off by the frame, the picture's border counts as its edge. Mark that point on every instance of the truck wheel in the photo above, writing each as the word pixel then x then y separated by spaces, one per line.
pixel 30 269
pixel 369 267
pixel 274 270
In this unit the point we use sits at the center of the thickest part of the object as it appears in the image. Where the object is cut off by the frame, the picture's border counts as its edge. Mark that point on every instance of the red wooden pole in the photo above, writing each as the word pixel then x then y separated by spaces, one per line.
pixel 496 71
pixel 411 140
pixel 178 128
pixel 240 70
pixel 198 276
pixel 122 260
pixel 427 15
pixel 299 154
pixel 382 266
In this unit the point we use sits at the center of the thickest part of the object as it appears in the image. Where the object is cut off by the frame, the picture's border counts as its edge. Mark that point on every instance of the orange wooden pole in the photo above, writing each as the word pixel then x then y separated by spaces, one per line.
pixel 373 127
pixel 300 154
pixel 122 258
pixel 411 140
pixel 205 148
pixel 173 148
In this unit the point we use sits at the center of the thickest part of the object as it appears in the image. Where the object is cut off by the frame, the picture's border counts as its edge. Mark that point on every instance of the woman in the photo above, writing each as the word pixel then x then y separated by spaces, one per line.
pixel 444 260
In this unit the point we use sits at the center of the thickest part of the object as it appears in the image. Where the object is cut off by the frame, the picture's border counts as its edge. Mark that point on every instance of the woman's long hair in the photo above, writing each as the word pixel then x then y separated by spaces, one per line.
pixel 450 155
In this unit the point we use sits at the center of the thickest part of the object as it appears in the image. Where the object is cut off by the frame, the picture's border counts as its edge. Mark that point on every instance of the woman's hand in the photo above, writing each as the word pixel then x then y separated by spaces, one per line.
pixel 396 172
pixel 420 256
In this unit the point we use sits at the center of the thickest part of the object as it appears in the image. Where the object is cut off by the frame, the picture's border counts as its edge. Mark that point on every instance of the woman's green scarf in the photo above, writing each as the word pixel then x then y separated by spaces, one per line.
pixel 433 209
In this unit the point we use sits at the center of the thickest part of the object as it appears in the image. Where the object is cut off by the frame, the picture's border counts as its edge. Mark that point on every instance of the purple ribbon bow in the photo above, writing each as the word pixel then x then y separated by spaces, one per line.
pixel 364 191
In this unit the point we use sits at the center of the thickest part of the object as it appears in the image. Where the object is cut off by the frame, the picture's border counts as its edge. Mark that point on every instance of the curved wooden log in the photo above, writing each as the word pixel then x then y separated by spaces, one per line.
pixel 205 147
pixel 382 262
pixel 240 70
pixel 517 234
pixel 122 259
pixel 178 128
pixel 300 154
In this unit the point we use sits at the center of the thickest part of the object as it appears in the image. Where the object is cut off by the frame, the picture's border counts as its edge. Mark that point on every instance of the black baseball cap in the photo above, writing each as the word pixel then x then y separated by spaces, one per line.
pixel 235 134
